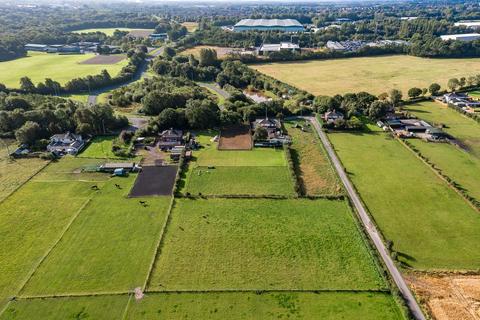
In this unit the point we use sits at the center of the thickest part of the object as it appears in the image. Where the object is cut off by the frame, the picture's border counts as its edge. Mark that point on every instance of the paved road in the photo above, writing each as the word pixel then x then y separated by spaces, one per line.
pixel 215 88
pixel 369 226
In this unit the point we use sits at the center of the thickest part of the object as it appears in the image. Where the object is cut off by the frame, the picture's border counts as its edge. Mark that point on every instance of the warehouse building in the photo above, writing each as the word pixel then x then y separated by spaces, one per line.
pixel 285 25
pixel 461 37
pixel 474 24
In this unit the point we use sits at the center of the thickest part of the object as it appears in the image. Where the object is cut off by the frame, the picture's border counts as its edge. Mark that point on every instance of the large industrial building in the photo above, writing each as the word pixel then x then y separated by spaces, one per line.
pixel 461 37
pixel 285 25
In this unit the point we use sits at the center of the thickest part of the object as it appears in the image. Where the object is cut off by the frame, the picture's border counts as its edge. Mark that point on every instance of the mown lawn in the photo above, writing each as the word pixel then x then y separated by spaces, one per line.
pixel 459 126
pixel 268 157
pixel 313 167
pixel 109 246
pixel 263 244
pixel 14 172
pixel 31 220
pixel 456 163
pixel 430 225
pixel 99 147
pixel 100 307
pixel 371 74
pixel 240 306
pixel 240 180
pixel 62 68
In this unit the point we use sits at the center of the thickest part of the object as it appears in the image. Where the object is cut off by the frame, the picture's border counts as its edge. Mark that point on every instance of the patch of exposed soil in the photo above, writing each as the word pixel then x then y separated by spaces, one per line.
pixel 448 296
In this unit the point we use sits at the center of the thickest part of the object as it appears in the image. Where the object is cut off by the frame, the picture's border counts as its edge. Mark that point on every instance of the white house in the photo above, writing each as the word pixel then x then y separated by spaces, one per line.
pixel 66 143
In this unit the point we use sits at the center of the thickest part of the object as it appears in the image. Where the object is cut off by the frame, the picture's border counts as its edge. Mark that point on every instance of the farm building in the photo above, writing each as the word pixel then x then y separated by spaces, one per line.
pixel 285 25
pixel 117 166
pixel 461 37
pixel 67 143
pixel 282 46
pixel 35 47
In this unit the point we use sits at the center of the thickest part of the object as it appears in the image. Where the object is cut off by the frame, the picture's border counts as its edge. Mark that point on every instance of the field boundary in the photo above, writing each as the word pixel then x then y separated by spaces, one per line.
pixel 260 291
pixel 22 184
pixel 472 202
pixel 158 248
pixel 45 256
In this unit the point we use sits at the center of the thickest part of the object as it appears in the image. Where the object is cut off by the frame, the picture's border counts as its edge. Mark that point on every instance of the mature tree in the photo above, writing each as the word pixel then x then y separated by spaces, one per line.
pixel 414 92
pixel 28 133
pixel 16 102
pixel 324 103
pixel 462 82
pixel 378 109
pixel 228 118
pixel 260 133
pixel 424 91
pixel 201 114
pixel 208 57
pixel 395 97
pixel 161 67
pixel 3 88
pixel 453 84
pixel 169 52
pixel 434 88
pixel 26 84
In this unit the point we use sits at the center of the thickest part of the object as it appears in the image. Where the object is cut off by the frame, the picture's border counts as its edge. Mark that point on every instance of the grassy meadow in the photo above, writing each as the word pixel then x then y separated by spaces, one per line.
pixel 240 306
pixel 31 220
pixel 456 163
pixel 191 26
pixel 108 248
pixel 108 31
pixel 316 174
pixel 100 307
pixel 261 171
pixel 14 172
pixel 248 180
pixel 256 244
pixel 461 127
pixel 430 225
pixel 62 68
pixel 371 74
pixel 99 147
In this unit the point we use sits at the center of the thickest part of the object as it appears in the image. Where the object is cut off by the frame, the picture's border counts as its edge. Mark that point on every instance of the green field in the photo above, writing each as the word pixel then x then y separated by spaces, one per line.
pixel 108 247
pixel 31 220
pixel 312 165
pixel 371 74
pixel 99 147
pixel 240 306
pixel 456 163
pixel 458 125
pixel 235 306
pixel 71 168
pixel 108 31
pixel 248 180
pixel 257 244
pixel 62 68
pixel 101 307
pixel 258 171
pixel 430 225
pixel 14 172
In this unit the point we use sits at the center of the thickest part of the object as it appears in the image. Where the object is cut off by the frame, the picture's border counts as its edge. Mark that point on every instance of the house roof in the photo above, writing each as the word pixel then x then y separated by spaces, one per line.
pixel 172 133
pixel 333 113
pixel 267 122
pixel 67 135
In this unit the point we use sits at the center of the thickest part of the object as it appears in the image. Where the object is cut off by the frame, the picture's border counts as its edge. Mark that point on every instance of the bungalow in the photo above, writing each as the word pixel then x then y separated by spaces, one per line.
pixel 332 116
pixel 462 100
pixel 66 143
pixel 170 138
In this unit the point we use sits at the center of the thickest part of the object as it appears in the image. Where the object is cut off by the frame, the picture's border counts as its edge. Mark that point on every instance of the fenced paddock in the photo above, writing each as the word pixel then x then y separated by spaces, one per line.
pixel 235 138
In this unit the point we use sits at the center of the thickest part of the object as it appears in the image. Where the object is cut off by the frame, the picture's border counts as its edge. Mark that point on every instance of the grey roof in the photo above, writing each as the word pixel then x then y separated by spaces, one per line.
pixel 34 45
pixel 268 23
